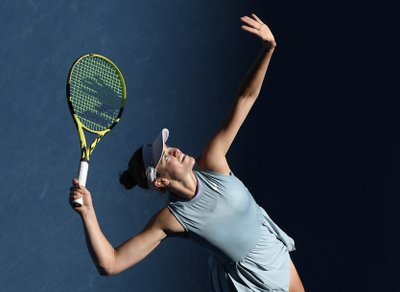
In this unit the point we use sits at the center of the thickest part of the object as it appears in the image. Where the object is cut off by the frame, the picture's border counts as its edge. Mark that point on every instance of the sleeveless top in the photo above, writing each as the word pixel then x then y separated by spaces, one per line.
pixel 248 251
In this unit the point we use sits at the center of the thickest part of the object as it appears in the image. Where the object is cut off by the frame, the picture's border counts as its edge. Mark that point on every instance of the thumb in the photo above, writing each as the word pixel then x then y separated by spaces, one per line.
pixel 75 183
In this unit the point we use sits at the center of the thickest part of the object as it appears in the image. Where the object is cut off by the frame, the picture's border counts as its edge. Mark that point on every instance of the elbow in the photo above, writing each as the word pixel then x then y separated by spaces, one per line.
pixel 107 269
pixel 107 266
pixel 249 97
pixel 110 270
pixel 106 272
pixel 253 95
pixel 112 267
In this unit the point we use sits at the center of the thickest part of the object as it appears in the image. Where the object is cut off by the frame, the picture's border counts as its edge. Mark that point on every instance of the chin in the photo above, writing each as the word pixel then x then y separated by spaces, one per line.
pixel 191 160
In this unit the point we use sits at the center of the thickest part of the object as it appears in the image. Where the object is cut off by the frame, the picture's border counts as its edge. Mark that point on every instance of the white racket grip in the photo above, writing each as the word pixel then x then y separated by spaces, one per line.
pixel 82 176
pixel 83 171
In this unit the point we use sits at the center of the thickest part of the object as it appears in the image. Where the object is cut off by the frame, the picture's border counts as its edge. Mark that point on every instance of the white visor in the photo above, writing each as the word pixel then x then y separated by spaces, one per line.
pixel 152 154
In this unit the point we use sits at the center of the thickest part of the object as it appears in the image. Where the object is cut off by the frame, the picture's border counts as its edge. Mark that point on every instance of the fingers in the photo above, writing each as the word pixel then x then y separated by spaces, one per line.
pixel 75 192
pixel 251 22
pixel 254 22
pixel 75 183
pixel 256 18
pixel 252 25
pixel 76 186
pixel 255 26
pixel 75 196
pixel 249 29
pixel 79 197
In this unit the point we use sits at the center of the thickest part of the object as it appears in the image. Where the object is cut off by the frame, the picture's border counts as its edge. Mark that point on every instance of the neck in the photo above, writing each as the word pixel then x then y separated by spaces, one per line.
pixel 186 189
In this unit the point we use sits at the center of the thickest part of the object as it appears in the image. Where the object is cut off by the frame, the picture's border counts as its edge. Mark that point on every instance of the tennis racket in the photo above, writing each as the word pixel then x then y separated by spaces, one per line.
pixel 96 95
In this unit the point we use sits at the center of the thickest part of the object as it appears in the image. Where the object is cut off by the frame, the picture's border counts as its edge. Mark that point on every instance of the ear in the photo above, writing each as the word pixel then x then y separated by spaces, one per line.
pixel 161 182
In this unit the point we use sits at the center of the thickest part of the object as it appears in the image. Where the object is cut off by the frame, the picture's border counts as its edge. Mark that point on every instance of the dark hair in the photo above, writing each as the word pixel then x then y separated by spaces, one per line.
pixel 135 174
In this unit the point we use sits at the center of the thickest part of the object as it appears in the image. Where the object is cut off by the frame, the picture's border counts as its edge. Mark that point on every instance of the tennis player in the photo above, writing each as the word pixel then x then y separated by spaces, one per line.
pixel 207 203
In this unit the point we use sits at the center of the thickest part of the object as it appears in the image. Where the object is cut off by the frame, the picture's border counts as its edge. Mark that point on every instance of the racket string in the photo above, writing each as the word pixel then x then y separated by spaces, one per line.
pixel 96 93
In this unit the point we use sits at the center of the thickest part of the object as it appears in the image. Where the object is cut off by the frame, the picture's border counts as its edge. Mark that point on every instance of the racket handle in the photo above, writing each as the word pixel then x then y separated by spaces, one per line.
pixel 82 176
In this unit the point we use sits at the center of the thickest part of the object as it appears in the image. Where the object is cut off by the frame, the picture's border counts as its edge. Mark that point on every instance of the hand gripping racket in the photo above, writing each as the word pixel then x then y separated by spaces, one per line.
pixel 96 94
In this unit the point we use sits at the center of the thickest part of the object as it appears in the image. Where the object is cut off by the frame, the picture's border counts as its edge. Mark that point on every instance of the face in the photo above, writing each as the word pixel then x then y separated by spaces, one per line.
pixel 174 164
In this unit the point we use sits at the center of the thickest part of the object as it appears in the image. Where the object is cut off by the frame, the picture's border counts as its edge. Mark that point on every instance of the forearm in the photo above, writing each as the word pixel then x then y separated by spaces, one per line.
pixel 102 252
pixel 215 151
pixel 251 85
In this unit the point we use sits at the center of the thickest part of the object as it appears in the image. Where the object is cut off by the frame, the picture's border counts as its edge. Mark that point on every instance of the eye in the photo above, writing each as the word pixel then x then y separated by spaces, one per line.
pixel 166 156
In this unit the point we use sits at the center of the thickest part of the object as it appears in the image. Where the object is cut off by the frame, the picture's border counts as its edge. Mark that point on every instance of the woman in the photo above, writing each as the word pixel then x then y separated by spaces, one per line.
pixel 207 203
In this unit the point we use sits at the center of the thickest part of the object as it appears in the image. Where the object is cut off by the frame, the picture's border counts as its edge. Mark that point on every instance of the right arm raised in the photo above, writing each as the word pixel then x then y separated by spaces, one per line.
pixel 110 260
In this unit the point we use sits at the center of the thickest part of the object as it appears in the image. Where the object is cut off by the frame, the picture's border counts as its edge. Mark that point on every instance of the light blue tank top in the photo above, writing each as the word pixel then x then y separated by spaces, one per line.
pixel 222 217
pixel 249 252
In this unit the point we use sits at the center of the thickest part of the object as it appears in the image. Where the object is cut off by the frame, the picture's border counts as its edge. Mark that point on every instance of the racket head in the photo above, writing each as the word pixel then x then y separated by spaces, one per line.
pixel 96 93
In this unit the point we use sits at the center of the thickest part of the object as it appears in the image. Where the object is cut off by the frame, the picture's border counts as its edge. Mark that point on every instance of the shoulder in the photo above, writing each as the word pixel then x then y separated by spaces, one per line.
pixel 214 163
pixel 168 223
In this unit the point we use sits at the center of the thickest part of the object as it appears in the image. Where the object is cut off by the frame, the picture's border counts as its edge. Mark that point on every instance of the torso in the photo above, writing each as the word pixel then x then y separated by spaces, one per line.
pixel 222 217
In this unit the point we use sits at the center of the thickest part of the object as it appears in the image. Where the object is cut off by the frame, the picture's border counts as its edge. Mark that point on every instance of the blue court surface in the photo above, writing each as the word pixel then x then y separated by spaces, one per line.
pixel 319 151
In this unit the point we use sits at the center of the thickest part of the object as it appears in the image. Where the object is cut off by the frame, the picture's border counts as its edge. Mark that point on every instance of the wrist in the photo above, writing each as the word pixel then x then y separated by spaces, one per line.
pixel 87 213
pixel 269 45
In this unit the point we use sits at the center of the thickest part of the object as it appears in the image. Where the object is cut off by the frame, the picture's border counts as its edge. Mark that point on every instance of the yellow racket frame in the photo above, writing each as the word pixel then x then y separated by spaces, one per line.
pixel 87 151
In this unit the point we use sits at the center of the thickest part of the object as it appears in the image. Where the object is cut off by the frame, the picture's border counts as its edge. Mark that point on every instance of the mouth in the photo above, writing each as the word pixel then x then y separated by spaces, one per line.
pixel 183 158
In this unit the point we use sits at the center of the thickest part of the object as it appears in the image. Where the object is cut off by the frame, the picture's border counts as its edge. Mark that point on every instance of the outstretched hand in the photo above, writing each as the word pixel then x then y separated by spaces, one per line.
pixel 255 26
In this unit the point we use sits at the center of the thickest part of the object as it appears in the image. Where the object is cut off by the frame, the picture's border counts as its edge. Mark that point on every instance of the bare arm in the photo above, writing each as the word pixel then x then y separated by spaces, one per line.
pixel 214 154
pixel 110 260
